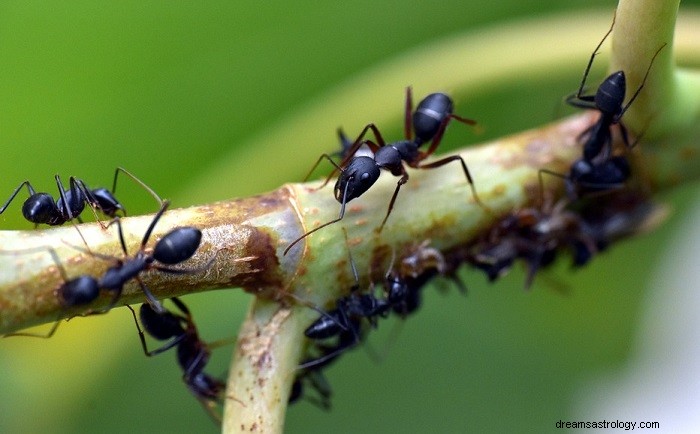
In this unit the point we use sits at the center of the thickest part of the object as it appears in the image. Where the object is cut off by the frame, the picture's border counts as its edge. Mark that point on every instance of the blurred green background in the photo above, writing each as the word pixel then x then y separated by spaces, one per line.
pixel 177 93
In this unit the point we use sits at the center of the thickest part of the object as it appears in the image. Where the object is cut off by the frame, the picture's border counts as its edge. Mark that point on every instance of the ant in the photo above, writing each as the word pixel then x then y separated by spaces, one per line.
pixel 192 353
pixel 175 247
pixel 41 208
pixel 608 100
pixel 598 170
pixel 74 292
pixel 359 173
pixel 345 321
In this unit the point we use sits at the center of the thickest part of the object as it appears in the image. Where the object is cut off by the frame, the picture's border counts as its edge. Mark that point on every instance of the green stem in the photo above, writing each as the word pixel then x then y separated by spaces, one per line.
pixel 667 110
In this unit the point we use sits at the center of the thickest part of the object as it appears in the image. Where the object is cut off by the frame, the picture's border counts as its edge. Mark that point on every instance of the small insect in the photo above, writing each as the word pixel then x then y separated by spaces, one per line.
pixel 608 100
pixel 345 322
pixel 78 291
pixel 41 208
pixel 175 247
pixel 404 286
pixel 535 235
pixel 359 173
pixel 192 353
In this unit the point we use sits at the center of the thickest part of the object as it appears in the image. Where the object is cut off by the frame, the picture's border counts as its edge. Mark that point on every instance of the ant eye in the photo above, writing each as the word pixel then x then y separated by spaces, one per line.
pixel 364 176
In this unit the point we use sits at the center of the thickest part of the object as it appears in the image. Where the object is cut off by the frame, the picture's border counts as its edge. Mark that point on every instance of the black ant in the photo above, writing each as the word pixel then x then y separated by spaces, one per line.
pixel 359 173
pixel 598 170
pixel 175 247
pixel 344 322
pixel 74 292
pixel 41 208
pixel 192 353
pixel 608 101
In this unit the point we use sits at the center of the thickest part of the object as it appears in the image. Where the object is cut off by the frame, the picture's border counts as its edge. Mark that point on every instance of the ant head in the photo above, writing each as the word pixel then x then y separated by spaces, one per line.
pixel 79 291
pixel 39 208
pixel 611 94
pixel 359 175
pixel 107 202
pixel 177 245
pixel 429 114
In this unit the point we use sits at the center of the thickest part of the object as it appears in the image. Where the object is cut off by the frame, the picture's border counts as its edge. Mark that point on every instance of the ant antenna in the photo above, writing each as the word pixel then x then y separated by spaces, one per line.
pixel 340 217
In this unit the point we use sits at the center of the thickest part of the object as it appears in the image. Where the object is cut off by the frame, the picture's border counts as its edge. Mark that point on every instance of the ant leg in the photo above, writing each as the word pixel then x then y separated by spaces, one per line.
pixel 345 144
pixel 146 351
pixel 156 305
pixel 401 182
pixel 639 89
pixel 36 335
pixel 163 207
pixel 590 62
pixel 199 361
pixel 343 344
pixel 440 132
pixel 180 305
pixel 322 387
pixel 136 180
pixel 340 217
pixel 320 311
pixel 79 184
pixel 120 232
pixel 195 270
pixel 408 115
pixel 357 144
pixel 12 196
pixel 465 169
pixel 328 178
pixel 353 267
pixel 77 203
pixel 584 101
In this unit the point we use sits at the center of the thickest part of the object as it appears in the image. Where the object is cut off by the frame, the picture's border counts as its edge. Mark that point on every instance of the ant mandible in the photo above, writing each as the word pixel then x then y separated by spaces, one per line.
pixel 359 173
pixel 192 353
pixel 41 208
pixel 608 101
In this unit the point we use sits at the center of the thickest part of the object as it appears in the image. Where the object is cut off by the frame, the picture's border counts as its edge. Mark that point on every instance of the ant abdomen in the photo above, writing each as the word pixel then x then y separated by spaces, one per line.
pixel 430 114
pixel 177 245
pixel 611 94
